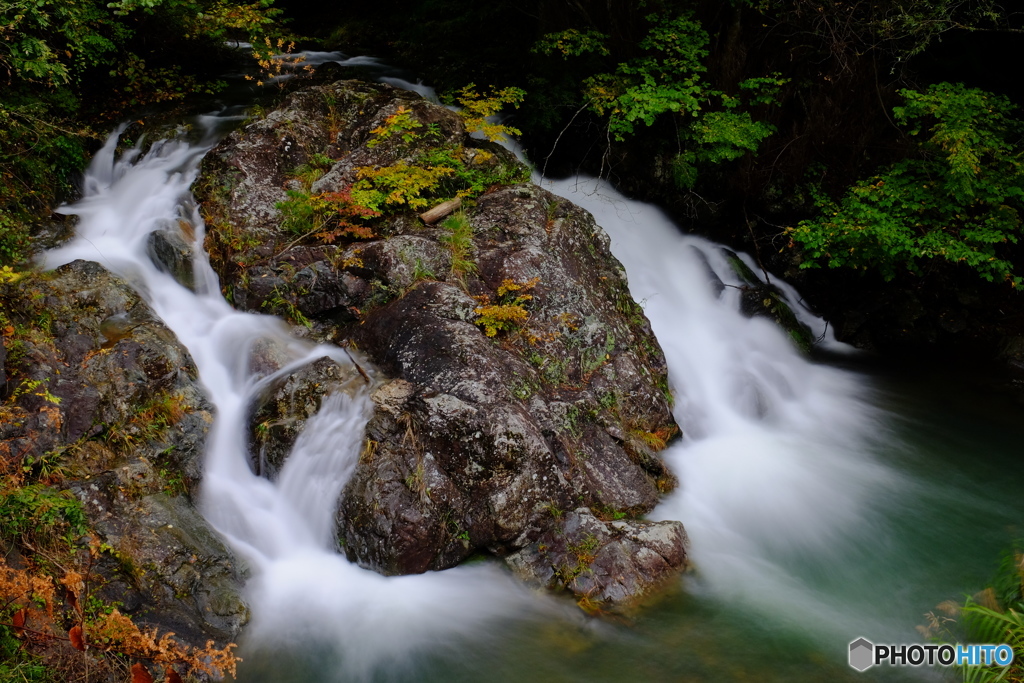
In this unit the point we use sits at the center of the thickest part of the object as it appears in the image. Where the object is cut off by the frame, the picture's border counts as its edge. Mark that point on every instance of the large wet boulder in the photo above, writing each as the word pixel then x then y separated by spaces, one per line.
pixel 514 374
pixel 106 406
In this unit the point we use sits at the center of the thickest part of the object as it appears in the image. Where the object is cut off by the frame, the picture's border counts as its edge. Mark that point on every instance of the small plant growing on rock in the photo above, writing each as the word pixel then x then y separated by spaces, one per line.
pixel 35 387
pixel 402 124
pixel 437 171
pixel 474 170
pixel 401 185
pixel 149 422
pixel 280 303
pixel 325 216
pixel 458 237
pixel 421 271
pixel 656 440
pixel 581 555
pixel 607 513
pixel 500 317
pixel 508 313
pixel 314 169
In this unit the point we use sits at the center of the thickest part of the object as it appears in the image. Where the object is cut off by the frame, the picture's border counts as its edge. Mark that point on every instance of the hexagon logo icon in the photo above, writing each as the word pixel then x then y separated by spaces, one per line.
pixel 862 654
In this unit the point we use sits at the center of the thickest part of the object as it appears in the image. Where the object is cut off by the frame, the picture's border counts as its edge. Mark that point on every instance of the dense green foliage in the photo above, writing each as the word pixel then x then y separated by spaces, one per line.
pixel 958 199
pixel 666 78
pixel 740 116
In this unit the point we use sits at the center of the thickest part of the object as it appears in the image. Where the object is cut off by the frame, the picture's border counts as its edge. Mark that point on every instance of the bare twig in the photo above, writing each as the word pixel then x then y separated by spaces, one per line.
pixel 757 249
pixel 366 377
pixel 544 171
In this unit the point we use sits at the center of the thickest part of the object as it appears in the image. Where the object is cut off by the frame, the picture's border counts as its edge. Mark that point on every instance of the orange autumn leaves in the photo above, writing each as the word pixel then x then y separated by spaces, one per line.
pixel 30 608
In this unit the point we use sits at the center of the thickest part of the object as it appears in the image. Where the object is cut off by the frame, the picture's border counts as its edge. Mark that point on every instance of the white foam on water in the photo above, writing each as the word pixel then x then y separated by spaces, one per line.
pixel 283 529
pixel 776 464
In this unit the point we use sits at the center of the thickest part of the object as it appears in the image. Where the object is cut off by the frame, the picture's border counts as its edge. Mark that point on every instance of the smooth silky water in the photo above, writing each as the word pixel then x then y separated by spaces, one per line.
pixel 822 504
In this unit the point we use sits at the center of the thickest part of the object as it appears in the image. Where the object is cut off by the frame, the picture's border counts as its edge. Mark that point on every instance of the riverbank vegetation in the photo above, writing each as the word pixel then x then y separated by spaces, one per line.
pixel 994 615
pixel 60 619
pixel 873 139
pixel 958 198
pixel 818 135
pixel 57 57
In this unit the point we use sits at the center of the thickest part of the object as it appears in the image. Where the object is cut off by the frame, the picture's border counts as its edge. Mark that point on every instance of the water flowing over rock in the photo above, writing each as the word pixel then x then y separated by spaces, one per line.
pixel 481 432
pixel 171 251
pixel 287 406
pixel 107 392
pixel 765 299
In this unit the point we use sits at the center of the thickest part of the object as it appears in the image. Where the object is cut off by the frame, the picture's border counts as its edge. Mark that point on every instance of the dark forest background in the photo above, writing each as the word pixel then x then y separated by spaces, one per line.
pixel 868 150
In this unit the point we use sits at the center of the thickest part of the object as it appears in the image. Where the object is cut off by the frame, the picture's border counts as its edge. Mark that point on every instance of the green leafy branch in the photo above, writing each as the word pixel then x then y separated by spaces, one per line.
pixel 666 80
pixel 958 200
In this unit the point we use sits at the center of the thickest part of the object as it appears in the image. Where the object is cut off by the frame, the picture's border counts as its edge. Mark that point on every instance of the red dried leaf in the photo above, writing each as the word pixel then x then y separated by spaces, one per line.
pixel 171 676
pixel 18 620
pixel 140 674
pixel 77 637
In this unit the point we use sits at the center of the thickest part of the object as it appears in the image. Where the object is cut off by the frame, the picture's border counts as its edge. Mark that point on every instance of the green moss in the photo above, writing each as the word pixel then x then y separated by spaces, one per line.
pixel 523 388
pixel 579 555
pixel 556 372
pixel 39 511
pixel 381 294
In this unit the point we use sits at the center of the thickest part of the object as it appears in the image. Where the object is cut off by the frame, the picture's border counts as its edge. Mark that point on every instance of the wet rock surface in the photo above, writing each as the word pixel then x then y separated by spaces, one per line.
pixel 759 298
pixel 526 383
pixel 284 409
pixel 604 561
pixel 171 250
pixel 108 408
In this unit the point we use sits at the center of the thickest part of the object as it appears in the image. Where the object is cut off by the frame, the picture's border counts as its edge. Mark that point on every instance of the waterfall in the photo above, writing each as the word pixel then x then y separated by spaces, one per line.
pixel 775 465
pixel 301 589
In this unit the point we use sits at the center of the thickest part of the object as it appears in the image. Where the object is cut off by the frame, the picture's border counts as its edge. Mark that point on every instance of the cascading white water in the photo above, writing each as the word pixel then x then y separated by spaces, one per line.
pixel 301 588
pixel 776 461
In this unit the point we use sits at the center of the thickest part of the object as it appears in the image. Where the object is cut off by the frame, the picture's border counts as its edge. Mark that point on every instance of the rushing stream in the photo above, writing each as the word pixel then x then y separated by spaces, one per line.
pixel 822 504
